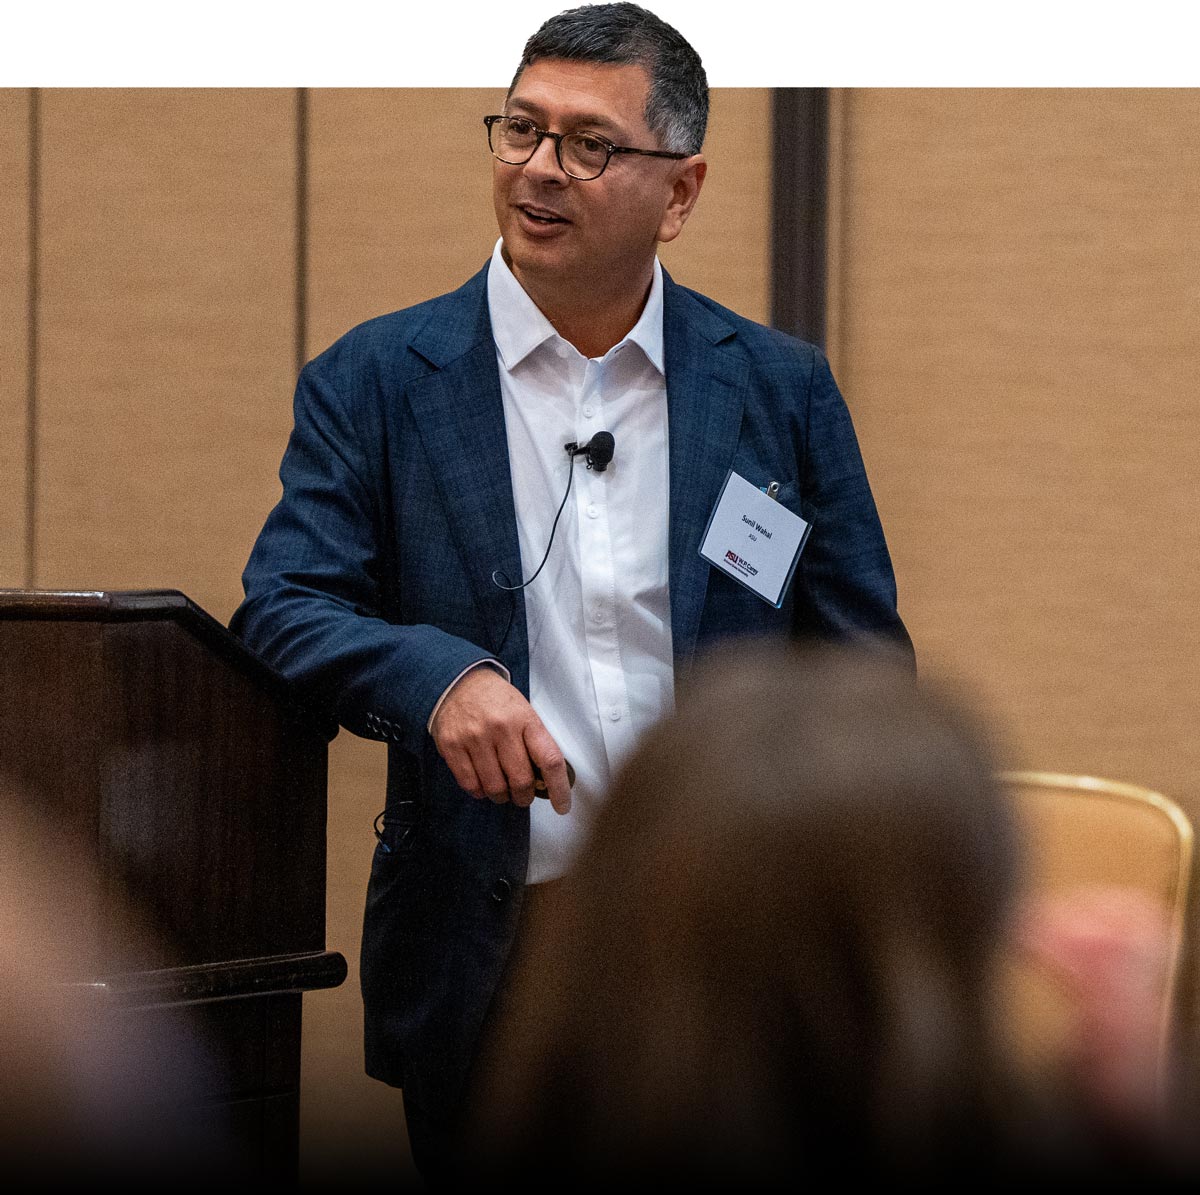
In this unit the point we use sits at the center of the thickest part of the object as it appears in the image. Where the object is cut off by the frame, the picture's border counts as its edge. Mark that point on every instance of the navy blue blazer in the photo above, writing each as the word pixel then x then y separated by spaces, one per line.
pixel 370 586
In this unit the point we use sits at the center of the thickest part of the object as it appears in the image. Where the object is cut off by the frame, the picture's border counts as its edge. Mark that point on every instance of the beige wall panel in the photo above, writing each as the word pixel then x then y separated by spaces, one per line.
pixel 396 219
pixel 725 247
pixel 1018 302
pixel 167 359
pixel 14 330
pixel 400 200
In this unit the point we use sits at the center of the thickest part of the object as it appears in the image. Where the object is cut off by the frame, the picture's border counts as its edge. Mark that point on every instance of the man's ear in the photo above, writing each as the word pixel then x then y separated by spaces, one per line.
pixel 685 190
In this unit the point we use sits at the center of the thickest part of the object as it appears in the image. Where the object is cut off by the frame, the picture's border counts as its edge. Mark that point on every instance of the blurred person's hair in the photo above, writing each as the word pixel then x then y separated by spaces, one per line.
pixel 780 948
pixel 89 1091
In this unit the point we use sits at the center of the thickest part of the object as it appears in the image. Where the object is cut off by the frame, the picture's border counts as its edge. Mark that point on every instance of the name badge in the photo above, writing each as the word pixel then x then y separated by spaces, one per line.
pixel 753 539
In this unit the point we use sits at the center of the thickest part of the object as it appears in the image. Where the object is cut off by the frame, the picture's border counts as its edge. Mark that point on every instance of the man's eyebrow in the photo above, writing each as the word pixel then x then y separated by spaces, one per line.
pixel 577 121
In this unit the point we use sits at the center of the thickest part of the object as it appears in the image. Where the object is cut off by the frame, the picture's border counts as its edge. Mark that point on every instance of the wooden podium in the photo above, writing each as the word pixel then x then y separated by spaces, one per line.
pixel 194 778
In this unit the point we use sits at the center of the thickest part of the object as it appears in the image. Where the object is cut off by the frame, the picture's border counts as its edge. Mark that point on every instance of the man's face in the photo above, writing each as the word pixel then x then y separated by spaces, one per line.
pixel 558 230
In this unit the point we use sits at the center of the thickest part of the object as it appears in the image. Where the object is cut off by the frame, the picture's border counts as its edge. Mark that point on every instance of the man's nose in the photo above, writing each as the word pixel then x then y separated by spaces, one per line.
pixel 543 166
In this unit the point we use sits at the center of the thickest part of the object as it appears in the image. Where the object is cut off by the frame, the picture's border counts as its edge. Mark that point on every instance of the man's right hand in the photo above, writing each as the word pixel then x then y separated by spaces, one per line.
pixel 488 734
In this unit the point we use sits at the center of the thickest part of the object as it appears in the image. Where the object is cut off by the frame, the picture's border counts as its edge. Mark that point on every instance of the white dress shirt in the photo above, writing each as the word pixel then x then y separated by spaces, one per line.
pixel 599 614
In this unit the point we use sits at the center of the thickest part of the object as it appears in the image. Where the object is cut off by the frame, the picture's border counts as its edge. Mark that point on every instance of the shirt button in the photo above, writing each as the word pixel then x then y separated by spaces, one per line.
pixel 593 511
pixel 614 713
pixel 589 411
pixel 597 614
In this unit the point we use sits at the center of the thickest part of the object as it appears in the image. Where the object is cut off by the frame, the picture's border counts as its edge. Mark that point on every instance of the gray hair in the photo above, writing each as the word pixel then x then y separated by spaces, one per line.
pixel 628 35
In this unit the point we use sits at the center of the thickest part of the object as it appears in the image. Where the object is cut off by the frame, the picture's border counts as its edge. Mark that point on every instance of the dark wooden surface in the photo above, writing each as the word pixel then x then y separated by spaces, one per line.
pixel 186 788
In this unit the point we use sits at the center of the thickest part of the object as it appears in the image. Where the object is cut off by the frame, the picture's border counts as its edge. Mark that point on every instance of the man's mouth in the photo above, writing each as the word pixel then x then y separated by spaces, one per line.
pixel 541 215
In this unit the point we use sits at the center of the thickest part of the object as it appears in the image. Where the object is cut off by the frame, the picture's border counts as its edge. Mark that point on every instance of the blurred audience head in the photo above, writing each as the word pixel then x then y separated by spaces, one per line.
pixel 89 1091
pixel 780 948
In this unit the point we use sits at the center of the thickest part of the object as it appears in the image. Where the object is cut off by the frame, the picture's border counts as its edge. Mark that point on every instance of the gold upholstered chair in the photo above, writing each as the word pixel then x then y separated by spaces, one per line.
pixel 1086 837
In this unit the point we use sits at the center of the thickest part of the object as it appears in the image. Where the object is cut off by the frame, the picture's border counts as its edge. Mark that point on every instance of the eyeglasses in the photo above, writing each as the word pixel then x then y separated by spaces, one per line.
pixel 514 140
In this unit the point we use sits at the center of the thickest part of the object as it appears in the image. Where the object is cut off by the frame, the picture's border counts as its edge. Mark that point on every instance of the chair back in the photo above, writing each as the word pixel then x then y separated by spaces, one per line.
pixel 1086 833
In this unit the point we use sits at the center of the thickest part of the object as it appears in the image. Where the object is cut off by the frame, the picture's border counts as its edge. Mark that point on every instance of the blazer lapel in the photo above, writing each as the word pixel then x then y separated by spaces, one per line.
pixel 460 416
pixel 705 380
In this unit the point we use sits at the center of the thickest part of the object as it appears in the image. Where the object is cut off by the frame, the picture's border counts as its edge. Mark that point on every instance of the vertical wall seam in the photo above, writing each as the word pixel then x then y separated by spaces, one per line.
pixel 799 173
pixel 782 218
pixel 835 217
pixel 819 213
pixel 301 346
pixel 33 298
pixel 845 136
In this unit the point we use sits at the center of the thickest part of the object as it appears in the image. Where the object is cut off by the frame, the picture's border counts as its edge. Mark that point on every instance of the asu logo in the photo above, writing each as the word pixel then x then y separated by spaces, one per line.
pixel 739 565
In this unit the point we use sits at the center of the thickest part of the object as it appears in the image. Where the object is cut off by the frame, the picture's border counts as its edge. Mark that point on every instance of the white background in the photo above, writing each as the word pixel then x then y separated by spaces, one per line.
pixel 744 43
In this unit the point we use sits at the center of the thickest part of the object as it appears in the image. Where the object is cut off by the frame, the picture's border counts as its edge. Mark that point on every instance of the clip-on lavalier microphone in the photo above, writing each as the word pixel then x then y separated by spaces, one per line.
pixel 599 452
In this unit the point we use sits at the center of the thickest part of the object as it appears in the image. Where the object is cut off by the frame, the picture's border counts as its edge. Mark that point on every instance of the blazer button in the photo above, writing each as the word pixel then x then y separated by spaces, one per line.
pixel 501 891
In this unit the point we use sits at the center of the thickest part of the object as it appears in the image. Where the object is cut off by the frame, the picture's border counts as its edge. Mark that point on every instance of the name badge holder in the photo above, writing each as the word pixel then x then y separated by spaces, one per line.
pixel 753 539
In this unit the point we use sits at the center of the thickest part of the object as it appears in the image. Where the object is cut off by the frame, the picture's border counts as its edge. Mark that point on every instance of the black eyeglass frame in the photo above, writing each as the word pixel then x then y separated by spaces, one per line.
pixel 557 138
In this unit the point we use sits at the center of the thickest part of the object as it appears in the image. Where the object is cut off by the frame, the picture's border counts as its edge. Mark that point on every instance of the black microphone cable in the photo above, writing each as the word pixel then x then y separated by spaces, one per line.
pixel 599 452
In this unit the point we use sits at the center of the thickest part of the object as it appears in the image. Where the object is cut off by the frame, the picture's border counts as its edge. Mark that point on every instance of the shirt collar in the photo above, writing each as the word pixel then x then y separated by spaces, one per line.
pixel 519 327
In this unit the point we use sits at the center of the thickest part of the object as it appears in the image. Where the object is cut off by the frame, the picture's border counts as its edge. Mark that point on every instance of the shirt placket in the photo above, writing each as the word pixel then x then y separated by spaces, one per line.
pixel 597 574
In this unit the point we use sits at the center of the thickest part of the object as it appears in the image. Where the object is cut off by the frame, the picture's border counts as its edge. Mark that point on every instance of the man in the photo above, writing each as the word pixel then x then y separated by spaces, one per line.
pixel 398 577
